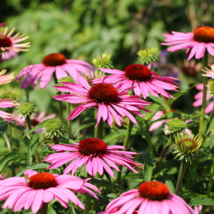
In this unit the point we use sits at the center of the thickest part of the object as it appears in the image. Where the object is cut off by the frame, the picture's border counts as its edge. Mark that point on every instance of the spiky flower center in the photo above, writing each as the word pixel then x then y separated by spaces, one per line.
pixel 92 146
pixel 5 41
pixel 154 190
pixel 187 144
pixel 137 72
pixel 204 34
pixel 104 93
pixel 42 180
pixel 54 59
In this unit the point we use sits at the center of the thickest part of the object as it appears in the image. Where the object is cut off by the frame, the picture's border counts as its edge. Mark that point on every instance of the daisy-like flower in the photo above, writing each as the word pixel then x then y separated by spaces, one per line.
pixel 197 209
pixel 200 40
pixel 6 103
pixel 95 154
pixel 199 98
pixel 4 79
pixel 55 62
pixel 10 45
pixel 35 120
pixel 37 188
pixel 151 197
pixel 142 79
pixel 111 100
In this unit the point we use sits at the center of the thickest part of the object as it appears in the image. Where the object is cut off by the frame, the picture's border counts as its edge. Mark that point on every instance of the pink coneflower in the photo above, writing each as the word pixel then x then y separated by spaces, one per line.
pixel 142 79
pixel 151 197
pixel 95 154
pixel 199 98
pixel 10 45
pixel 6 103
pixel 4 79
pixel 51 63
pixel 110 100
pixel 200 40
pixel 37 188
pixel 197 209
pixel 35 120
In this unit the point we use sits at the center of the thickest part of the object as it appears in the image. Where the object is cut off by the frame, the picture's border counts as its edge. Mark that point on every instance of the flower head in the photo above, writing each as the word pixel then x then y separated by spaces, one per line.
pixel 4 79
pixel 103 61
pixel 53 127
pixel 35 120
pixel 199 97
pixel 95 154
pixel 55 62
pixel 175 125
pixel 200 40
pixel 10 45
pixel 37 188
pixel 142 79
pixel 148 55
pixel 187 145
pixel 150 197
pixel 26 109
pixel 11 94
pixel 6 103
pixel 110 100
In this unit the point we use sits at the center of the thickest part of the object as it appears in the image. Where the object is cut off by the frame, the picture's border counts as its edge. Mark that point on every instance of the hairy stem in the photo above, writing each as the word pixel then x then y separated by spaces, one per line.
pixel 164 150
pixel 205 64
pixel 68 106
pixel 149 142
pixel 44 209
pixel 210 118
pixel 211 176
pixel 181 174
pixel 98 133
pixel 10 137
pixel 56 140
pixel 125 144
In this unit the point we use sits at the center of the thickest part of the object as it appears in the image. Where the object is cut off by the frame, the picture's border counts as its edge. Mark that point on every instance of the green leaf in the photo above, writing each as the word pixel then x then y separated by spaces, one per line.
pixel 51 209
pixel 107 184
pixel 33 167
pixel 179 94
pixel 32 147
pixel 5 161
pixel 201 201
pixel 3 127
pixel 170 186
pixel 153 108
pixel 148 172
pixel 40 125
pixel 83 127
pixel 158 100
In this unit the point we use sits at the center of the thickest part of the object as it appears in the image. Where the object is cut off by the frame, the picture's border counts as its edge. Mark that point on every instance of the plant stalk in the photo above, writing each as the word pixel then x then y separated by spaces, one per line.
pixel 28 122
pixel 44 209
pixel 10 137
pixel 181 174
pixel 210 118
pixel 149 142
pixel 125 144
pixel 211 176
pixel 164 150
pixel 205 64
pixel 68 107
pixel 98 133
pixel 56 140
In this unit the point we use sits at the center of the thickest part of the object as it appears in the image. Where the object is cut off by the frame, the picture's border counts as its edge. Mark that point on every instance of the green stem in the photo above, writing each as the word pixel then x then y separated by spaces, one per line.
pixel 181 174
pixel 211 176
pixel 125 144
pixel 10 137
pixel 27 95
pixel 210 118
pixel 68 106
pixel 28 122
pixel 98 133
pixel 164 150
pixel 60 102
pixel 205 64
pixel 44 209
pixel 7 142
pixel 148 139
pixel 56 140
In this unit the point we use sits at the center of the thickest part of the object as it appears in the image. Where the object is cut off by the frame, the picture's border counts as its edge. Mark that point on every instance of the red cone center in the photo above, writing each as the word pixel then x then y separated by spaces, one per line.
pixel 137 72
pixel 54 59
pixel 154 190
pixel 204 34
pixel 92 146
pixel 34 122
pixel 104 93
pixel 42 180
pixel 5 41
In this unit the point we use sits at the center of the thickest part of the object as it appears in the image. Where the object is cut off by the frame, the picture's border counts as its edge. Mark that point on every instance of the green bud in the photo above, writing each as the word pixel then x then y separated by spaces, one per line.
pixel 175 125
pixel 148 55
pixel 10 94
pixel 103 61
pixel 26 109
pixel 53 127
